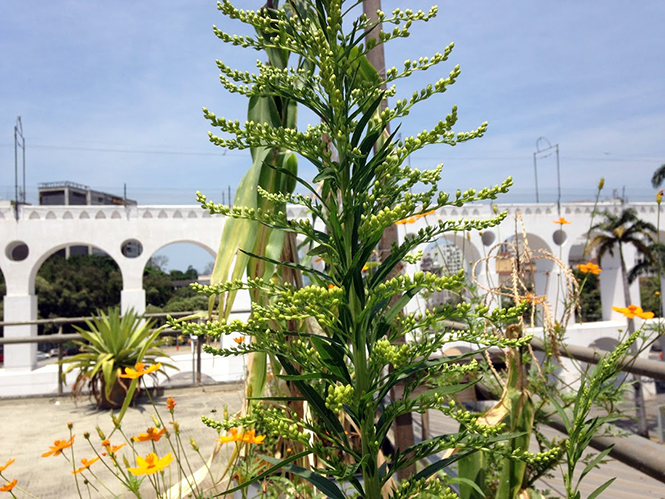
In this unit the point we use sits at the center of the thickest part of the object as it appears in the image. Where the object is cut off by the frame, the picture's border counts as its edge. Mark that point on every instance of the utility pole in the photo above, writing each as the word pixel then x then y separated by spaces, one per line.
pixel 404 423
pixel 19 143
pixel 543 153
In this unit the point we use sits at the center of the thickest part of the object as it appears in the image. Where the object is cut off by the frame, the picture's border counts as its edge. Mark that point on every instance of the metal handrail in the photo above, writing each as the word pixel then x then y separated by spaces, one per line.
pixel 60 338
pixel 634 365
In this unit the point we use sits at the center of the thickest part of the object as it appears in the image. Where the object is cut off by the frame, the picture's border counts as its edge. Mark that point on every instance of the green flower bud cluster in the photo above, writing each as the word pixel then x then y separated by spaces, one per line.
pixel 503 315
pixel 422 64
pixel 470 421
pixel 414 258
pixel 384 354
pixel 227 424
pixel 471 195
pixel 424 488
pixel 274 421
pixel 338 395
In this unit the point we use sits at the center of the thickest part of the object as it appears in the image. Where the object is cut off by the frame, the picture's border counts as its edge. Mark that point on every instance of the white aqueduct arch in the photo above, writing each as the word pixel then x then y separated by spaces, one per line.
pixel 45 229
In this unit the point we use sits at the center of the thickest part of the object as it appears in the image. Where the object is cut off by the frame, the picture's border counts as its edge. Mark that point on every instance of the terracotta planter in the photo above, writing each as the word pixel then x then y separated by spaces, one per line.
pixel 117 396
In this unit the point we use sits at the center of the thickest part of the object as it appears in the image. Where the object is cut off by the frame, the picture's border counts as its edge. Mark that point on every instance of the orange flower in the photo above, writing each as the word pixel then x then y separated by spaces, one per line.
pixel 151 464
pixel 170 404
pixel 111 449
pixel 535 299
pixel 3 468
pixel 58 446
pixel 232 436
pixel 250 437
pixel 151 434
pixel 561 221
pixel 239 339
pixel 86 464
pixel 139 370
pixel 589 268
pixel 8 486
pixel 632 311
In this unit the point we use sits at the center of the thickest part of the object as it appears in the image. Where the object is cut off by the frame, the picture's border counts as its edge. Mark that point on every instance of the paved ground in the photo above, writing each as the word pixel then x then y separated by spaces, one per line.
pixel 29 426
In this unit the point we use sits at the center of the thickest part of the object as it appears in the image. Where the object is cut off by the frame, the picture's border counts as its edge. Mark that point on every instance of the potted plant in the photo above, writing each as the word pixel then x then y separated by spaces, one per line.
pixel 112 343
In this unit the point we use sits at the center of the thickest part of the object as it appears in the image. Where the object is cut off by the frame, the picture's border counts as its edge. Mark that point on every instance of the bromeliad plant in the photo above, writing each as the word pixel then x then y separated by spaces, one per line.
pixel 112 343
pixel 334 340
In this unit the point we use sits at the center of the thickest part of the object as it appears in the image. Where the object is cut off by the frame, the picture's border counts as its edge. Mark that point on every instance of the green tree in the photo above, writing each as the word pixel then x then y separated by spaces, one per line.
pixel 590 304
pixel 658 176
pixel 614 232
pixel 77 286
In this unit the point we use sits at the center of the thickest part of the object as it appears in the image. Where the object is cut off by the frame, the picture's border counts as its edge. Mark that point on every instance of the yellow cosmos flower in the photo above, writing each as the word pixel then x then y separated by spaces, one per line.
pixel 170 404
pixel 86 464
pixel 151 434
pixel 58 446
pixel 589 268
pixel 632 311
pixel 8 486
pixel 139 370
pixel 239 339
pixel 3 468
pixel 151 464
pixel 562 221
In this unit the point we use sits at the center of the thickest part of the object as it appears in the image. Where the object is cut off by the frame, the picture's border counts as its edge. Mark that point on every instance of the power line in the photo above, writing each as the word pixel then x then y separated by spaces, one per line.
pixel 131 151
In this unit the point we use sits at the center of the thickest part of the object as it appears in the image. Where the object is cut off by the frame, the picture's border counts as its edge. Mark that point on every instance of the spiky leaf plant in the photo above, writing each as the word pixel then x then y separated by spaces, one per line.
pixel 111 343
pixel 334 339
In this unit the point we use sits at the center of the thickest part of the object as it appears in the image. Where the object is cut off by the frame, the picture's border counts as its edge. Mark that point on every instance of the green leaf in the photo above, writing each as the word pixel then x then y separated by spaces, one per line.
pixel 595 461
pixel 441 464
pixel 320 482
pixel 332 356
pixel 600 489
pixel 270 471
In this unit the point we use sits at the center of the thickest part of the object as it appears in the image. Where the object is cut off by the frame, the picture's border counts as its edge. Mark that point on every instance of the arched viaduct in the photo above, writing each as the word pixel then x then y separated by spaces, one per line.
pixel 47 229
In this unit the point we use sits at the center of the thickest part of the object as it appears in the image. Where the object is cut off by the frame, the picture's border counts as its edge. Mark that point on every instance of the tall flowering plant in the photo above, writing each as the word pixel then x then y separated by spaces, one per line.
pixel 334 340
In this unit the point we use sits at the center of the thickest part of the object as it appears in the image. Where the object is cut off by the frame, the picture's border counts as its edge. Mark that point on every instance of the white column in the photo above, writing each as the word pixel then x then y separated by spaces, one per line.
pixel 132 298
pixel 611 287
pixel 20 308
pixel 132 294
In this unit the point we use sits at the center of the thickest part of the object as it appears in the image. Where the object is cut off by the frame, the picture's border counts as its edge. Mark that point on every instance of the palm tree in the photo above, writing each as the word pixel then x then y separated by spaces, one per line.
pixel 658 176
pixel 614 232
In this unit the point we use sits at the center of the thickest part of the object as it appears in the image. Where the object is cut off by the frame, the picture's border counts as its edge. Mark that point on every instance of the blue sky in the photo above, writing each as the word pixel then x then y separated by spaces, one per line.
pixel 111 93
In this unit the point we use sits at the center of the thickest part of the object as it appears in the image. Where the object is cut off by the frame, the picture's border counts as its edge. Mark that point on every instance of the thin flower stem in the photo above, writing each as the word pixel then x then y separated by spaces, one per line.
pixel 102 483
pixel 103 461
pixel 195 486
pixel 205 463
pixel 74 463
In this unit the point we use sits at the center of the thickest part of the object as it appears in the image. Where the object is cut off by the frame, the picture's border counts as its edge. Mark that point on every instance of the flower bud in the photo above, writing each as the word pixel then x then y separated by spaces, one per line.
pixel 601 184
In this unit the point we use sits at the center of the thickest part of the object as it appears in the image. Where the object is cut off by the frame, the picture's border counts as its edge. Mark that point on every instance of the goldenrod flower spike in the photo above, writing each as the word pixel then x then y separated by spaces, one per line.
pixel 139 370
pixel 58 446
pixel 8 486
pixel 151 464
